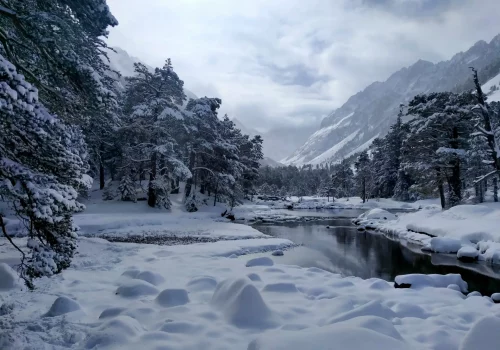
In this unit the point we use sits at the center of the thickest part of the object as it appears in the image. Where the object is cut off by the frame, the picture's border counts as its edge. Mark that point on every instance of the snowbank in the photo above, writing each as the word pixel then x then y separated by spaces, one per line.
pixel 434 281
pixel 463 229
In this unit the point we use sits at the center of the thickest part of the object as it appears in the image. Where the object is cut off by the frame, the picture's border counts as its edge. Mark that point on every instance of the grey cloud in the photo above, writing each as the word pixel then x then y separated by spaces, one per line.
pixel 296 74
pixel 414 8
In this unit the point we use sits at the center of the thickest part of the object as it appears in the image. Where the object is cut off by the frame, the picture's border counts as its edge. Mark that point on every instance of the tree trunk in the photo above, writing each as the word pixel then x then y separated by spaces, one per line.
pixel 364 190
pixel 495 189
pixel 189 182
pixel 101 175
pixel 455 181
pixel 152 177
pixel 481 193
pixel 440 187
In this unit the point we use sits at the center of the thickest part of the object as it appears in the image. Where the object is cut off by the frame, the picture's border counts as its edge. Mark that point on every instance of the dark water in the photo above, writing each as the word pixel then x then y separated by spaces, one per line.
pixel 343 249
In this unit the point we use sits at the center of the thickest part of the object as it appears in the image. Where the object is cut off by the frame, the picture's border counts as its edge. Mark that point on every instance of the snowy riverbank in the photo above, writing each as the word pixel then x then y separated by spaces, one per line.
pixel 216 295
pixel 470 231
pixel 202 296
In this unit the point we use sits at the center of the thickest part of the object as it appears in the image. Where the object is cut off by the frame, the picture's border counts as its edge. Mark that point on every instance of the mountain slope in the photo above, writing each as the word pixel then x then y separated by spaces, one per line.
pixel 369 113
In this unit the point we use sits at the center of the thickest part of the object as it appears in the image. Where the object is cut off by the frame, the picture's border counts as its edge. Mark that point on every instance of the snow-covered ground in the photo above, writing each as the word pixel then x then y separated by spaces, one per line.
pixel 218 295
pixel 470 231
pixel 203 296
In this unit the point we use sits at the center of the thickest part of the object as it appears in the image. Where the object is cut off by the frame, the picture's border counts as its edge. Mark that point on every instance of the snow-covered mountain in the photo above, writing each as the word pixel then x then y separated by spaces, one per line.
pixel 369 114
pixel 121 61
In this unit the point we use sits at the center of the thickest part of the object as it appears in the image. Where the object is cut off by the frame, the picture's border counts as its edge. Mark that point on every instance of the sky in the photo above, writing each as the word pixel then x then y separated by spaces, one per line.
pixel 278 63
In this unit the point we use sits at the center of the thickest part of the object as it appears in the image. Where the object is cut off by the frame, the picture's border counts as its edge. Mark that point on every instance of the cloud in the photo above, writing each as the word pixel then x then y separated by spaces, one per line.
pixel 290 62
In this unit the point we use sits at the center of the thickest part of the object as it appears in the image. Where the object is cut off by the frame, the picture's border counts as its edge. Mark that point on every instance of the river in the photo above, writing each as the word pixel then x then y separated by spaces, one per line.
pixel 343 249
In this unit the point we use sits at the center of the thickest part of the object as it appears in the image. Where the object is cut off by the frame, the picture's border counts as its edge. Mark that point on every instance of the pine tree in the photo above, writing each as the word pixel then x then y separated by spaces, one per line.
pixel 127 189
pixel 488 129
pixel 153 123
pixel 363 180
pixel 41 171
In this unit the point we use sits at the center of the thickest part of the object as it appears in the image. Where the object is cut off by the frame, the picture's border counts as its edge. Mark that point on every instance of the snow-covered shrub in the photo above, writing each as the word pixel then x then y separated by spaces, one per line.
pixel 41 172
pixel 108 193
pixel 127 189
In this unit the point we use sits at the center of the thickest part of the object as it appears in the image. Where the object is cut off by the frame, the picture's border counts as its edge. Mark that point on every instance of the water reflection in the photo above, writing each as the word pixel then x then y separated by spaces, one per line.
pixel 343 249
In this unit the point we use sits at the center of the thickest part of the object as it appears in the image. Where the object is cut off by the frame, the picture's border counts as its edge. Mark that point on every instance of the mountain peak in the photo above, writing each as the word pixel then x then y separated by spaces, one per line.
pixel 368 114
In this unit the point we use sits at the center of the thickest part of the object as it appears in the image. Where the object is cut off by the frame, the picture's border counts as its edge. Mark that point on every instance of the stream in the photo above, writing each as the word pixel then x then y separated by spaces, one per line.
pixel 343 249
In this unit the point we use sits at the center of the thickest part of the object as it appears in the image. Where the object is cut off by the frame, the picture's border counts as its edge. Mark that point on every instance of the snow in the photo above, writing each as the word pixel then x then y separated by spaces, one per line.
pixel 495 297
pixel 483 334
pixel 147 296
pixel 333 337
pixel 492 96
pixel 263 261
pixel 172 297
pixel 61 306
pixel 449 231
pixel 136 289
pixel 468 252
pixel 434 281
pixel 242 304
pixel 8 277
pixel 333 150
pixel 444 245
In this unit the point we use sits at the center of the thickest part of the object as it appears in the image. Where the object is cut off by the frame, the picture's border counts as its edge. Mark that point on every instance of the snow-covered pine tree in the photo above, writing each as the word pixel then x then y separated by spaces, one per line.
pixel 363 175
pixel 57 45
pixel 488 129
pixel 127 189
pixel 342 179
pixel 41 170
pixel 437 141
pixel 151 127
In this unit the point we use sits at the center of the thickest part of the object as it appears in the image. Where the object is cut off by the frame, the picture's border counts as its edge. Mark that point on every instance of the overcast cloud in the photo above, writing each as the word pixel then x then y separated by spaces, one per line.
pixel 275 62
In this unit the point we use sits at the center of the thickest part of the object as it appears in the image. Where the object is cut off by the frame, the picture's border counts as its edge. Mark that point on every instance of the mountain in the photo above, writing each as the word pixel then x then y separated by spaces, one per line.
pixel 279 142
pixel 369 113
pixel 121 61
pixel 266 161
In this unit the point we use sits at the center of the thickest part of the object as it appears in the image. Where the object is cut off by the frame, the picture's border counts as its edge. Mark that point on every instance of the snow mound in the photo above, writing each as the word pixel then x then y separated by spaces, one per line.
pixel 263 261
pixel 372 308
pixel 484 334
pixel 136 288
pixel 454 287
pixel 282 287
pixel 278 253
pixel 332 337
pixel 468 253
pixel 172 297
pixel 436 281
pixel 242 304
pixel 378 214
pixel 114 333
pixel 111 312
pixel 183 327
pixel 254 277
pixel 8 277
pixel 444 245
pixel 61 306
pixel 202 283
pixel 495 297
pixel 151 277
pixel 374 323
pixel 474 294
pixel 132 273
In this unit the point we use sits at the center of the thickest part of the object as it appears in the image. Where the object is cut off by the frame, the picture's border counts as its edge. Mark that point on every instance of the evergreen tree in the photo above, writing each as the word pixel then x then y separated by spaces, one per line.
pixel 363 175
pixel 41 171
pixel 152 124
